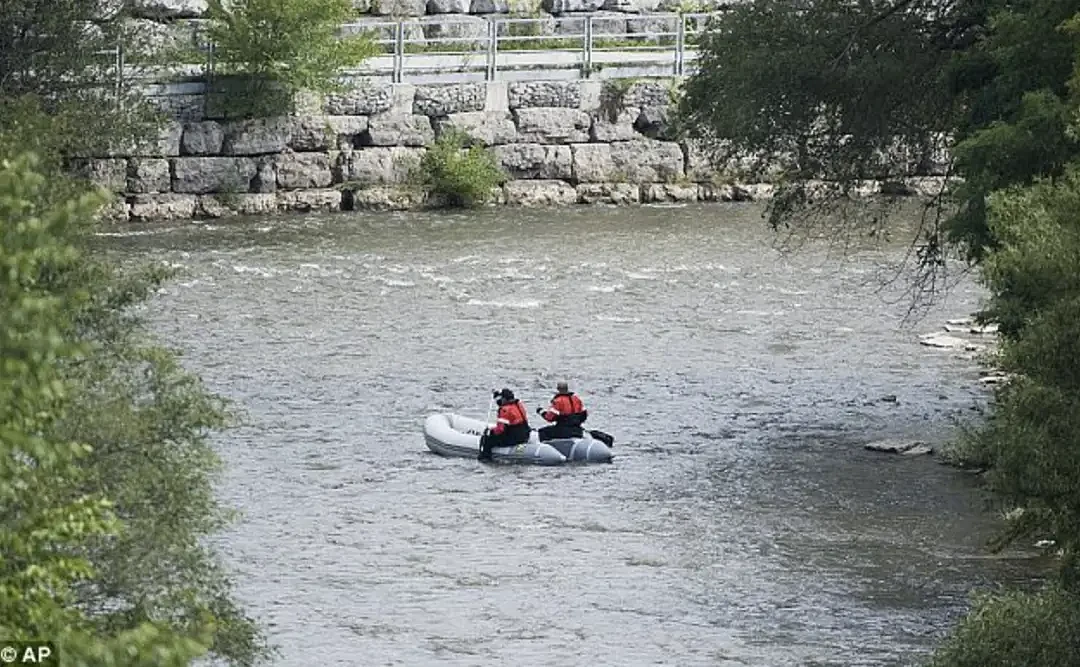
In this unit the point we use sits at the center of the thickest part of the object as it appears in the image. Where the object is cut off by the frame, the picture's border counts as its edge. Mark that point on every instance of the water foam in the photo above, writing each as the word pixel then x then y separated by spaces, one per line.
pixel 259 271
pixel 390 282
pixel 617 318
pixel 134 232
pixel 527 303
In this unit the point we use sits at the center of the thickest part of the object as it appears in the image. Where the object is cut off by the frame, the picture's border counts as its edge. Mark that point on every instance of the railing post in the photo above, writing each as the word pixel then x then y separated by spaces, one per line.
pixel 208 76
pixel 493 48
pixel 399 51
pixel 680 44
pixel 210 52
pixel 588 46
pixel 119 75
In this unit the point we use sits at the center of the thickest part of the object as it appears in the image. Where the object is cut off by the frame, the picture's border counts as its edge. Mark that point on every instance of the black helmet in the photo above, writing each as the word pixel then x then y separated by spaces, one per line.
pixel 506 395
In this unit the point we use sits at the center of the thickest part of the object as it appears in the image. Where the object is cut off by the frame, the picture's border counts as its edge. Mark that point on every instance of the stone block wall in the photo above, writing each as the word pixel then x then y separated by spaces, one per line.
pixel 559 142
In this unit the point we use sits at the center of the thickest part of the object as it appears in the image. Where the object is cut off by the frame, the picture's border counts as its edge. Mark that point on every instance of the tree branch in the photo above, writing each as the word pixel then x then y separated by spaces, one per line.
pixel 898 7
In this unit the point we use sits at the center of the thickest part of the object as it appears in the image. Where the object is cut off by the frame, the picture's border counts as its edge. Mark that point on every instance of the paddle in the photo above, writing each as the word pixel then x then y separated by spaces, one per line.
pixel 487 420
pixel 603 437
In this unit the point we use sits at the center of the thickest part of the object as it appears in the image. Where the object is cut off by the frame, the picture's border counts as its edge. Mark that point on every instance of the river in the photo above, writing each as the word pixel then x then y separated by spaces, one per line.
pixel 741 522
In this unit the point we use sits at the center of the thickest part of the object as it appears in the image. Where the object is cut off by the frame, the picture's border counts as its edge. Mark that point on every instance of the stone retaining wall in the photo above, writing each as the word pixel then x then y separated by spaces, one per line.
pixel 559 142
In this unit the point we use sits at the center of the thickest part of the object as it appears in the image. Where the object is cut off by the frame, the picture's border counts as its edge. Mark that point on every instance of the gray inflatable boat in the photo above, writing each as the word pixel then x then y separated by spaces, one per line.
pixel 455 435
pixel 585 449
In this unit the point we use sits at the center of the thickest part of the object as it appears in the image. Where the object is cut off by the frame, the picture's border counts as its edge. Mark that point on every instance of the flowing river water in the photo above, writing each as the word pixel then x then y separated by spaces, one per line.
pixel 741 523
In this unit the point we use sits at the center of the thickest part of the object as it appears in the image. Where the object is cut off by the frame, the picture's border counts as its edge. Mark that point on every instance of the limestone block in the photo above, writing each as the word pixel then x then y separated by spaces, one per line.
pixel 398 130
pixel 535 161
pixel 540 193
pixel 487 128
pixel 204 175
pixel 146 175
pixel 552 125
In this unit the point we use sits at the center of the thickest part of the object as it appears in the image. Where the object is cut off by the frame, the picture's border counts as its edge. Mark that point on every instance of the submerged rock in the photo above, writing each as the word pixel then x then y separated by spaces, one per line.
pixel 905 447
pixel 943 341
pixel 918 450
pixel 995 378
pixel 972 328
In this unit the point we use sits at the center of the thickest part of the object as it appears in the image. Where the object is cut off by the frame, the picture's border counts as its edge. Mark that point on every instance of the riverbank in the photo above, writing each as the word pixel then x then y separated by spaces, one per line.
pixel 558 143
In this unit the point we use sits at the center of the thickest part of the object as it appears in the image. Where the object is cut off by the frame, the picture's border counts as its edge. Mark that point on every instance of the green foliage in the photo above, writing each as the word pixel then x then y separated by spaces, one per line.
pixel 52 47
pixel 268 51
pixel 106 475
pixel 1035 266
pixel 1031 443
pixel 817 88
pixel 49 516
pixel 1016 630
pixel 58 94
pixel 848 91
pixel 612 94
pixel 147 420
pixel 459 176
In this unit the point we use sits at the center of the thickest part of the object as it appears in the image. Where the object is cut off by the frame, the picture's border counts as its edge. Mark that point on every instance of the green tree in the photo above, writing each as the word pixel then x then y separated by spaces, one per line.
pixel 148 421
pixel 58 93
pixel 48 517
pixel 1031 440
pixel 124 431
pixel 845 91
pixel 268 51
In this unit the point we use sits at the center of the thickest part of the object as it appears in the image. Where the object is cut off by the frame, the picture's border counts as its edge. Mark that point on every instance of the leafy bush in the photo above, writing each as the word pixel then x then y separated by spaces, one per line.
pixel 1016 629
pixel 459 176
pixel 106 471
pixel 1031 442
pixel 51 512
pixel 267 51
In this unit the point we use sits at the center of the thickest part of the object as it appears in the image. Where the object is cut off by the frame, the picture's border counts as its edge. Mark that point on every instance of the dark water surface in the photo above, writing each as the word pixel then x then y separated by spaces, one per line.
pixel 741 523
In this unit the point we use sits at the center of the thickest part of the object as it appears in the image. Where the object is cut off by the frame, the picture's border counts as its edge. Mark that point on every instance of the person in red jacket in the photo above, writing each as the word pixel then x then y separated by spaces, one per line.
pixel 566 411
pixel 511 425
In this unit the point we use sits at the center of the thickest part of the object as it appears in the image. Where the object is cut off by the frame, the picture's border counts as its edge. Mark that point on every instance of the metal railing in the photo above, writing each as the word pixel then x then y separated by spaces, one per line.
pixel 491 45
pixel 457 48
pixel 114 71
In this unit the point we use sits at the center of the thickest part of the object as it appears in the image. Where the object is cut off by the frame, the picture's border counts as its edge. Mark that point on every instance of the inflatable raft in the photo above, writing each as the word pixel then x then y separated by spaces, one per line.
pixel 585 449
pixel 455 435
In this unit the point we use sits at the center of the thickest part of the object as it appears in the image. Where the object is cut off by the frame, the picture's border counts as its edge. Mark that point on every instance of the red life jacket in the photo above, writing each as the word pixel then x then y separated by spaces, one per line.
pixel 564 406
pixel 510 414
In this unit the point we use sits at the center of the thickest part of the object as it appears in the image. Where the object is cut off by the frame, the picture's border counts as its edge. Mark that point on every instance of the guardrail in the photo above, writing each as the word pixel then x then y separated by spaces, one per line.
pixel 458 48
pixel 488 47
